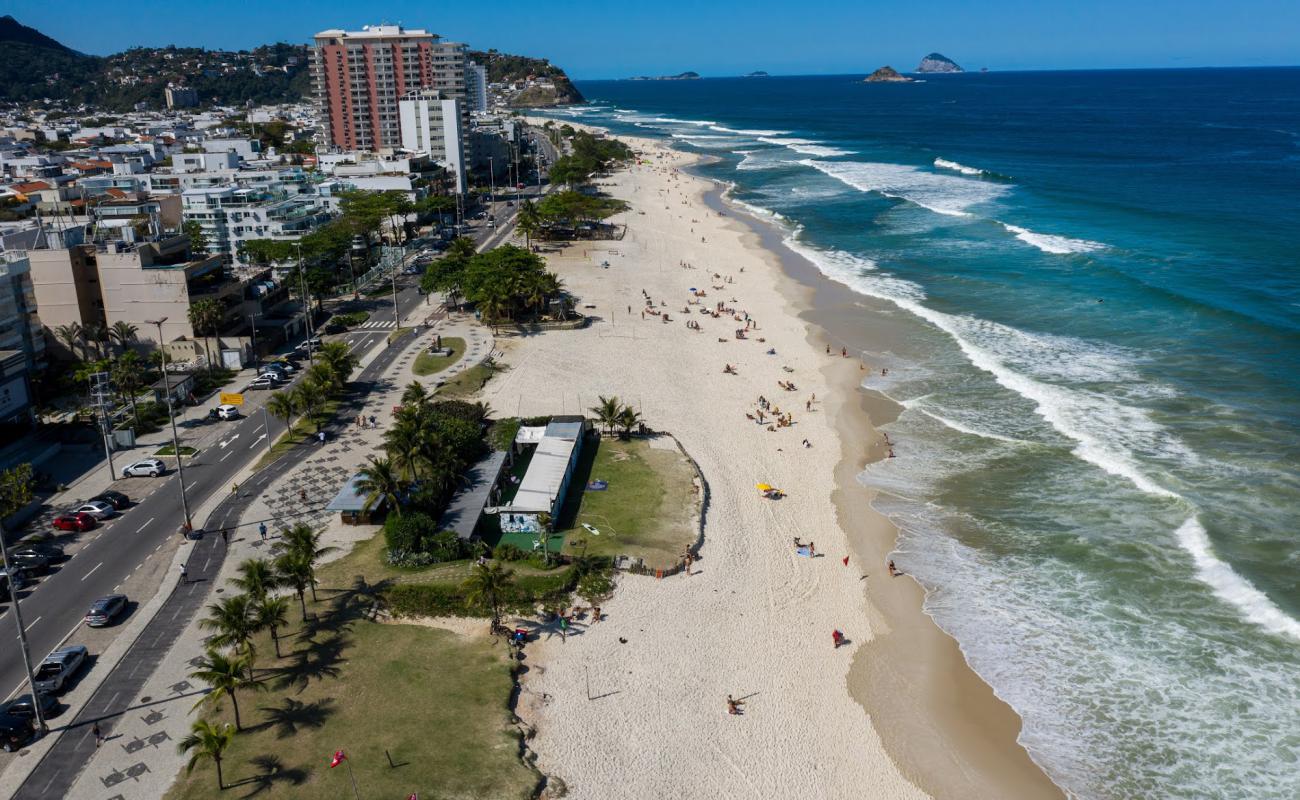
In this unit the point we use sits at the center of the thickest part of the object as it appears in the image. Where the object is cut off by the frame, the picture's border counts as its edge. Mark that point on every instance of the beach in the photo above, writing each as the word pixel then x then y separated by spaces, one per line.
pixel 635 705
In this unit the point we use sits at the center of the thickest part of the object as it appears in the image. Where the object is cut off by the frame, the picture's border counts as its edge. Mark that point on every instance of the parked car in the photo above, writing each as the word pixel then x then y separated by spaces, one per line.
pixel 22 707
pixel 50 550
pixel 150 466
pixel 275 369
pixel 263 382
pixel 54 673
pixel 97 509
pixel 309 344
pixel 115 499
pixel 15 732
pixel 227 411
pixel 30 563
pixel 74 522
pixel 105 610
pixel 284 364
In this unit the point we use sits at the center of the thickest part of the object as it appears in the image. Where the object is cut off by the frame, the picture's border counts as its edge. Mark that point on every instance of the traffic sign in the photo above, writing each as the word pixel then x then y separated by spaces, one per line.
pixel 232 399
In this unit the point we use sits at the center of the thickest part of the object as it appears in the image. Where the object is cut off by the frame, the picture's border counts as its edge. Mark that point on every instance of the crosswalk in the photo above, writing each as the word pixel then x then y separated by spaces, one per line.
pixel 377 325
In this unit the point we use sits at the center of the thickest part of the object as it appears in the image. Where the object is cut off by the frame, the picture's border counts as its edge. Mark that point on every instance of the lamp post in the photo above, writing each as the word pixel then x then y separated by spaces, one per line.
pixel 306 302
pixel 252 325
pixel 22 635
pixel 171 415
pixel 492 185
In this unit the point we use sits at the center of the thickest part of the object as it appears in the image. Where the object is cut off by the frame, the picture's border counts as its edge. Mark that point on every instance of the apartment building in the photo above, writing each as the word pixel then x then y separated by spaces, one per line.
pixel 65 282
pixel 230 216
pixel 476 88
pixel 431 123
pixel 359 77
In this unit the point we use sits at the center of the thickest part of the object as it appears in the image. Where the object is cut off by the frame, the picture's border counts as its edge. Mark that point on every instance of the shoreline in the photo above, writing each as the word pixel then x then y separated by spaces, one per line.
pixel 747 570
pixel 912 671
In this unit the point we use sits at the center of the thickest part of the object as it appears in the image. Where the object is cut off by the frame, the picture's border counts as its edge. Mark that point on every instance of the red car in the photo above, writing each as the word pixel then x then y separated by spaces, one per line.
pixel 74 522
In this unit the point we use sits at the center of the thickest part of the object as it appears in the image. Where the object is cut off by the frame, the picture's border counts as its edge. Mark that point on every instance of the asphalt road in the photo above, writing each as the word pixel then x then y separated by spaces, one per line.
pixel 53 609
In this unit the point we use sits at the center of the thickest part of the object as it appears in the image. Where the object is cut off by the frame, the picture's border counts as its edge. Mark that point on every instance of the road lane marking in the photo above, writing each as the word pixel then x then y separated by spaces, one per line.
pixel 142 527
pixel 227 455
pixel 31 624
pixel 92 569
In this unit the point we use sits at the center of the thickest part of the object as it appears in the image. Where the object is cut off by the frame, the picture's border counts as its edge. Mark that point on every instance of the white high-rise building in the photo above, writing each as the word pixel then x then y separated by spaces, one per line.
pixel 431 123
pixel 476 87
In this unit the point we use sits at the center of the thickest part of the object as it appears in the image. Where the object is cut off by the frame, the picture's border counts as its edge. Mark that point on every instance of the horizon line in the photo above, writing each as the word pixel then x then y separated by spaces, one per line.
pixel 667 77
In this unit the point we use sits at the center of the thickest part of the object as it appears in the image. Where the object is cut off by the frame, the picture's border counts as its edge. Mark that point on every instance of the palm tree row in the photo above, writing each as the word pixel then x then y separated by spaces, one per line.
pixel 325 378
pixel 613 414
pixel 93 336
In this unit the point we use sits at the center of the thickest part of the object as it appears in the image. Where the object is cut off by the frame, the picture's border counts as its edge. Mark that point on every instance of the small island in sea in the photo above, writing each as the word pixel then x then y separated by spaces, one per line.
pixel 887 74
pixel 758 74
pixel 936 62
pixel 681 76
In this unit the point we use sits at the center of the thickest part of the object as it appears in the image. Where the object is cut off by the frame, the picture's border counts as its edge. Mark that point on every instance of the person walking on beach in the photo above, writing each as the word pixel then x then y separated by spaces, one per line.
pixel 261 529
pixel 595 614
pixel 564 627
pixel 837 637
pixel 99 735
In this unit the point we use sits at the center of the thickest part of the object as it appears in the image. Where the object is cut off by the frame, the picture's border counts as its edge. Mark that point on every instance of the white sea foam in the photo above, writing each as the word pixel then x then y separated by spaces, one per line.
pixel 703 123
pixel 944 163
pixel 745 131
pixel 758 160
pixel 942 194
pixel 1048 243
pixel 709 136
pixel 808 147
pixel 1230 586
pixel 916 405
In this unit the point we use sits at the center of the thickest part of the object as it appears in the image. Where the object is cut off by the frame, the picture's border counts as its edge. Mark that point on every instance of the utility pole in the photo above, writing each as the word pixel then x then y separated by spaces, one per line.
pixel 101 398
pixel 22 635
pixel 492 184
pixel 252 324
pixel 397 318
pixel 171 415
pixel 306 302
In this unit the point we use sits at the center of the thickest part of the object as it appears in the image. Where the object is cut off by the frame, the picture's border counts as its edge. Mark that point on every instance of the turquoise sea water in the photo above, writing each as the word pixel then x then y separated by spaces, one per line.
pixel 1098 279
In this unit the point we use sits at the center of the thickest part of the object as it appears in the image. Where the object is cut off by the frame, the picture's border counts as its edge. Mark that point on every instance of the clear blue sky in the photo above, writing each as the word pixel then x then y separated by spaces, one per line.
pixel 593 39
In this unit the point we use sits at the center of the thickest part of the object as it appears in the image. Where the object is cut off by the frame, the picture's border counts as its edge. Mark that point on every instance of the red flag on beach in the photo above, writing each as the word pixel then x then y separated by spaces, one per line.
pixel 846 561
pixel 337 759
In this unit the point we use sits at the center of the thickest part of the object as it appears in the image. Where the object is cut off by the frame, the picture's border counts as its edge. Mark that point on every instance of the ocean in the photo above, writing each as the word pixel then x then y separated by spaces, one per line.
pixel 1096 281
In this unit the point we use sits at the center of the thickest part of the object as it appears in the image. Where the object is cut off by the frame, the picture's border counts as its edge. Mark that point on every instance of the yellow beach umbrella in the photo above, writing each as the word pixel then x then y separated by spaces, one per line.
pixel 763 487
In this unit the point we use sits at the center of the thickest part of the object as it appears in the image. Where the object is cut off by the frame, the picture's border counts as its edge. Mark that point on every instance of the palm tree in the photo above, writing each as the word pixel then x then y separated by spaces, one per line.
pixel 309 399
pixel 232 619
pixel 207 740
pixel 403 442
pixel 301 540
pixel 70 335
pixel 256 578
pixel 381 482
pixel 128 375
pixel 340 359
pixel 123 333
pixel 493 308
pixel 528 221
pixel 282 405
pixel 324 376
pixel 95 335
pixel 607 412
pixel 271 614
pixel 205 317
pixel 225 675
pixel 628 418
pixel 415 394
pixel 487 586
pixel 295 571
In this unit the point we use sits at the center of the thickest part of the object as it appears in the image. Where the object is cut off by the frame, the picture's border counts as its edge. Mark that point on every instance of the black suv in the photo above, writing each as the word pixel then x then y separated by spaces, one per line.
pixel 15 732
pixel 30 562
pixel 117 500
pixel 21 707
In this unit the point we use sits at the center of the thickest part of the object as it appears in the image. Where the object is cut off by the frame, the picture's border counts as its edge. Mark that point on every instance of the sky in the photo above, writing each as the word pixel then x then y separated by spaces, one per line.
pixel 593 40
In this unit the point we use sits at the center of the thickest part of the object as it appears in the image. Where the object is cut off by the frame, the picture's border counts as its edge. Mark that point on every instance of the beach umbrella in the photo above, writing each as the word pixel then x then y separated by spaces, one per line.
pixel 763 487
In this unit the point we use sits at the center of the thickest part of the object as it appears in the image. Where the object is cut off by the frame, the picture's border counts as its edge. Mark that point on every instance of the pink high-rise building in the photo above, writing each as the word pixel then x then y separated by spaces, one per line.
pixel 359 76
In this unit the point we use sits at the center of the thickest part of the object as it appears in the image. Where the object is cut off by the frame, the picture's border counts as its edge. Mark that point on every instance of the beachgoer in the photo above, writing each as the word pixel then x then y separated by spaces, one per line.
pixel 812 548
pixel 302 495
pixel 261 529
pixel 185 573
pixel 893 570
pixel 320 436
pixel 837 637
pixel 595 614
pixel 564 627
pixel 99 735
pixel 733 706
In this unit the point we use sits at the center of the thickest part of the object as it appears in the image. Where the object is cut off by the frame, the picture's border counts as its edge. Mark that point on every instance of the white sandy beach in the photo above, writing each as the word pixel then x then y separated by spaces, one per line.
pixel 754 620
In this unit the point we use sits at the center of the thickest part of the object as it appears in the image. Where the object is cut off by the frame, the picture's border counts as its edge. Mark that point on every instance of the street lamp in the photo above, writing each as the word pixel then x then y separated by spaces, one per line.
pixel 176 439
pixel 306 301
pixel 252 324
pixel 22 634
pixel 492 184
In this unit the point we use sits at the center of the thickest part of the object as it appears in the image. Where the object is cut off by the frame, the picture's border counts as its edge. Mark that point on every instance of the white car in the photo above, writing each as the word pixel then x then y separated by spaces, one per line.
pixel 149 466
pixel 227 411
pixel 97 509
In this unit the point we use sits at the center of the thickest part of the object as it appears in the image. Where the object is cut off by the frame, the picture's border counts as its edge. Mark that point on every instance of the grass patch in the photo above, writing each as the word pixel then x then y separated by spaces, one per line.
pixel 649 509
pixel 169 450
pixel 434 700
pixel 427 363
pixel 352 318
pixel 398 334
pixel 303 430
pixel 469 381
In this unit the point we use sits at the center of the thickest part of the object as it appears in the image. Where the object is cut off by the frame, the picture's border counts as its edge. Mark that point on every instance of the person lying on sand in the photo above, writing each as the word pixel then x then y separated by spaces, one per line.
pixel 733 706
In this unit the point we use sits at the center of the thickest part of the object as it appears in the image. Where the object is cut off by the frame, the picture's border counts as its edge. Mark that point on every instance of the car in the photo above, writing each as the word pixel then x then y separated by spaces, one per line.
pixel 56 671
pixel 97 509
pixel 227 411
pixel 264 382
pixel 309 344
pixel 149 466
pixel 75 522
pixel 115 499
pixel 276 370
pixel 30 563
pixel 284 364
pixel 105 610
pixel 15 732
pixel 50 550
pixel 9 583
pixel 22 707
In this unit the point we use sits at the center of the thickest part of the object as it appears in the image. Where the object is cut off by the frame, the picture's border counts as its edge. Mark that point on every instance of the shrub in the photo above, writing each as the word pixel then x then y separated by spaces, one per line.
pixel 410 558
pixel 595 586
pixel 410 532
pixel 463 437
pixel 508 552
pixel 459 409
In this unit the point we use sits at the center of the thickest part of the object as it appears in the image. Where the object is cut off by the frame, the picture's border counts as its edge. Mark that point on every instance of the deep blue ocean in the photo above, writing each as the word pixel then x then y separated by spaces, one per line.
pixel 1096 281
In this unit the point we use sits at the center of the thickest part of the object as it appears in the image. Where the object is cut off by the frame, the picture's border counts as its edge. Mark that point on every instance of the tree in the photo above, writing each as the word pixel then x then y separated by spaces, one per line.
pixel 340 360
pixel 296 571
pixel 198 239
pixel 123 333
pixel 271 614
pixel 70 335
pixel 128 375
pixel 381 482
pixel 528 221
pixel 487 586
pixel 256 578
pixel 96 335
pixel 607 413
pixel 225 675
pixel 302 540
pixel 232 619
pixel 403 442
pixel 415 394
pixel 282 405
pixel 207 740
pixel 206 317
pixel 309 400
pixel 628 418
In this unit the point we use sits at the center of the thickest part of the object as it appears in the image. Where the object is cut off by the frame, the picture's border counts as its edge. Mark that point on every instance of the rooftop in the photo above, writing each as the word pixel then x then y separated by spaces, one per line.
pixel 377 32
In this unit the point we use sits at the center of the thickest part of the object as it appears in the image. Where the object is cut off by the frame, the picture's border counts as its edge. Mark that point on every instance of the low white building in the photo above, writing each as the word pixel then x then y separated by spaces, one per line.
pixel 431 124
pixel 230 216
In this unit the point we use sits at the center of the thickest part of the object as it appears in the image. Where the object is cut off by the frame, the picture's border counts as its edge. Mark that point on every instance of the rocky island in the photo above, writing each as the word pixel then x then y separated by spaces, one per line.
pixel 887 74
pixel 759 74
pixel 681 76
pixel 936 62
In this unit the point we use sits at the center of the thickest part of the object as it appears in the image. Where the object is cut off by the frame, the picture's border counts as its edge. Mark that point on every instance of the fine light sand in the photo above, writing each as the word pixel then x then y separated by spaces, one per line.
pixel 635 705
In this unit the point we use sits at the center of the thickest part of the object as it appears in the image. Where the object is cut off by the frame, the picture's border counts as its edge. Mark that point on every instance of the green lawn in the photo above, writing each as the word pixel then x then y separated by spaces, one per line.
pixel 169 450
pixel 427 363
pixel 398 333
pixel 303 429
pixel 435 701
pixel 367 559
pixel 649 510
pixel 468 382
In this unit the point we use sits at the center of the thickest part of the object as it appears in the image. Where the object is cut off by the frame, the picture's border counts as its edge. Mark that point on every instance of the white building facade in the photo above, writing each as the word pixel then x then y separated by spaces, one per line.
pixel 432 123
